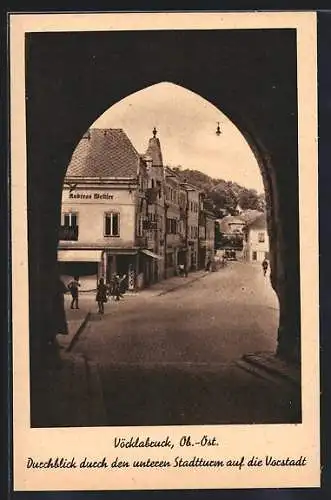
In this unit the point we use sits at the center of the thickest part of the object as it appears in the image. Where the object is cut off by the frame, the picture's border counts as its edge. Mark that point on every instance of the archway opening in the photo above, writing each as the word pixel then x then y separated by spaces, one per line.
pixel 163 142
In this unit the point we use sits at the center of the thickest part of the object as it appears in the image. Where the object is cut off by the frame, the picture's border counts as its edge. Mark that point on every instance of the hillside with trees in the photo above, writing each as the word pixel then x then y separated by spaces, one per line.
pixel 222 197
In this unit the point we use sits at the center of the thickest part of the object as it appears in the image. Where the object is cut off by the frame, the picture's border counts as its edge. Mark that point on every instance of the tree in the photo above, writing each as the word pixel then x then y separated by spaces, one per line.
pixel 220 195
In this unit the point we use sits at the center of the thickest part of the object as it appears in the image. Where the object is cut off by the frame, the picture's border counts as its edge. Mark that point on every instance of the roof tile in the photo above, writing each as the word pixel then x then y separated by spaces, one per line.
pixel 104 153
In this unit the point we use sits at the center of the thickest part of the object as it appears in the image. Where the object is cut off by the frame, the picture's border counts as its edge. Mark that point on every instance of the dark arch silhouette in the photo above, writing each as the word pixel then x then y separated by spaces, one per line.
pixel 72 78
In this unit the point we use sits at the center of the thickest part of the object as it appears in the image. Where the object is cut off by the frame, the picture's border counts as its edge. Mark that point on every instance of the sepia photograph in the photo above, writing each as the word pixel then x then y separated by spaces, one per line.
pixel 174 292
pixel 164 231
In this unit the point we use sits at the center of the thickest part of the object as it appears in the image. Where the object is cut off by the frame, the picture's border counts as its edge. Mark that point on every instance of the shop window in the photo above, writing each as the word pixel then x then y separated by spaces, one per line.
pixel 112 224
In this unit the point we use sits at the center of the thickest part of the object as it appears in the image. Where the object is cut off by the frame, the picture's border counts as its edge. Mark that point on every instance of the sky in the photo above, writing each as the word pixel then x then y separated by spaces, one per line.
pixel 186 125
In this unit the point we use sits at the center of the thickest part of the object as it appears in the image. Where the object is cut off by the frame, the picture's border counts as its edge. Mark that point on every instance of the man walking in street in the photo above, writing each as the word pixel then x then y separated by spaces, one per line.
pixel 101 296
pixel 116 287
pixel 265 266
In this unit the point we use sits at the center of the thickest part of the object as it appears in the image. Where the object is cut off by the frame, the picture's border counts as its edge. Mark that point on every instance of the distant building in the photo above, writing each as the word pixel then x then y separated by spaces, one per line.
pixel 154 219
pixel 175 242
pixel 206 236
pixel 256 245
pixel 193 206
pixel 230 235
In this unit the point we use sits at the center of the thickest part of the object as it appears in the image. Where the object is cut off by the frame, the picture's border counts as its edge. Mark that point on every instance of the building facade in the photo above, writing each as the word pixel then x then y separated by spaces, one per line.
pixel 256 245
pixel 102 210
pixel 193 209
pixel 207 246
pixel 126 213
pixel 152 214
pixel 174 246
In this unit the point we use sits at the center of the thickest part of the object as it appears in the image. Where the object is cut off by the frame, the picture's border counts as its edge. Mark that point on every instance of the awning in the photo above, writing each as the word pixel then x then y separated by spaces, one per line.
pixel 79 255
pixel 121 251
pixel 151 254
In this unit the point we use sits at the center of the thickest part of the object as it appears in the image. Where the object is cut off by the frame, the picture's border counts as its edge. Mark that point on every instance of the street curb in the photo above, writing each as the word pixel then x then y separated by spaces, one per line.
pixel 257 371
pixel 263 364
pixel 182 285
pixel 78 332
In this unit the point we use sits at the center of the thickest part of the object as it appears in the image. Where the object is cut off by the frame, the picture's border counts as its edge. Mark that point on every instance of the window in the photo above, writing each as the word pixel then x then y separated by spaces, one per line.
pixel 254 255
pixel 261 237
pixel 112 224
pixel 69 228
pixel 70 219
pixel 172 226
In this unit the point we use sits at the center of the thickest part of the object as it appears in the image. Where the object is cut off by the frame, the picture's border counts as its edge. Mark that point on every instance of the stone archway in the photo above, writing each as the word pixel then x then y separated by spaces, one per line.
pixel 72 78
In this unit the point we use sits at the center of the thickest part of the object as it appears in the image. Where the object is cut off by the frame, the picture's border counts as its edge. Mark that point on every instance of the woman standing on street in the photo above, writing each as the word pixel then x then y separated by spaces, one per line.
pixel 101 296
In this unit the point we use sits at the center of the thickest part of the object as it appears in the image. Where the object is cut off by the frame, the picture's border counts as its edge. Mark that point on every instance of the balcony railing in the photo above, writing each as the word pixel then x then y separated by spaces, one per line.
pixel 68 233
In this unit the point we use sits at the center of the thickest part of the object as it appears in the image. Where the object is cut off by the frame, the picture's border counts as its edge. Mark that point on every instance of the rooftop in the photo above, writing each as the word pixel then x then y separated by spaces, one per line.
pixel 104 153
pixel 259 223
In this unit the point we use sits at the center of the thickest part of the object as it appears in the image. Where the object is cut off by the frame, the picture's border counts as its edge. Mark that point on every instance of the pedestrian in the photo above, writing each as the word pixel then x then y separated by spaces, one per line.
pixel 181 270
pixel 112 286
pixel 101 296
pixel 265 266
pixel 117 287
pixel 123 285
pixel 73 287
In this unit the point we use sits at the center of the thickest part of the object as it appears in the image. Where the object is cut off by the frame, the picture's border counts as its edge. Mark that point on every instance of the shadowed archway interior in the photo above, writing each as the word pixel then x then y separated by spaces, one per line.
pixel 72 78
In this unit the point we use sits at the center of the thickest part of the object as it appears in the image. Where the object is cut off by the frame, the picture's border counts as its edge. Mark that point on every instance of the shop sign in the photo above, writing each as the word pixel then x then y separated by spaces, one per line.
pixel 89 195
pixel 95 195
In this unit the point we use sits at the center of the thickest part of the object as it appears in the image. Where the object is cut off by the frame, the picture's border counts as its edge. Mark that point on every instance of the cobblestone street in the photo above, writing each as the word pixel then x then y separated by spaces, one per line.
pixel 215 319
pixel 170 357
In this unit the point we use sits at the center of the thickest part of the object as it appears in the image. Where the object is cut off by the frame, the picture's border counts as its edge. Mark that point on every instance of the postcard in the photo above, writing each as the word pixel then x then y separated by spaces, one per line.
pixel 164 216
